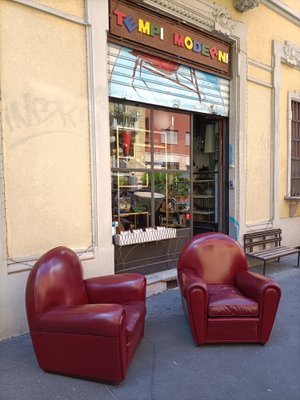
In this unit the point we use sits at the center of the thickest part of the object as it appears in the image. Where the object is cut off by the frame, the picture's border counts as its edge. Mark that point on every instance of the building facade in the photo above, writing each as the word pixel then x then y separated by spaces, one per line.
pixel 129 126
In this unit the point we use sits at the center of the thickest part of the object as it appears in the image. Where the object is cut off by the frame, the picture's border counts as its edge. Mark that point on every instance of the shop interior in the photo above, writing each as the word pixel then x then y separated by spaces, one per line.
pixel 169 169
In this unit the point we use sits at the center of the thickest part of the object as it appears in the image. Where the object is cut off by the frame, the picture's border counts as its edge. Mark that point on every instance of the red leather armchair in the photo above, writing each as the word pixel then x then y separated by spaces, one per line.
pixel 84 328
pixel 223 301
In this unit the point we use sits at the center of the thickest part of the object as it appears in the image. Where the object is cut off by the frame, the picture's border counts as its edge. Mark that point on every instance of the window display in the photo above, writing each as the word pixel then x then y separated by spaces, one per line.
pixel 150 161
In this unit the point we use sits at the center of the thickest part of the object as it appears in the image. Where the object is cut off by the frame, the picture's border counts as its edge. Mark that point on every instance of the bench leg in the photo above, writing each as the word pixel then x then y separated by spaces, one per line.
pixel 264 270
pixel 298 259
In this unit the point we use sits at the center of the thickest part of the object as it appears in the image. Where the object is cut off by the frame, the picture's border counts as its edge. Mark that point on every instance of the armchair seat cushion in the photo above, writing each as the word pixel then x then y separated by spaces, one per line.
pixel 84 319
pixel 228 301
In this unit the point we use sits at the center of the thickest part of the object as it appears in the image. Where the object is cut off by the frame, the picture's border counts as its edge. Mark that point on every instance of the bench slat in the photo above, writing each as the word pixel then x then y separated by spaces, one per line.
pixel 264 232
pixel 258 242
pixel 268 232
pixel 260 239
pixel 269 254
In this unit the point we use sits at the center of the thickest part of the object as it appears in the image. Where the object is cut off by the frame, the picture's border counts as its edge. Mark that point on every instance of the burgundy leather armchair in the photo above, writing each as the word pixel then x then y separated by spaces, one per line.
pixel 223 301
pixel 84 328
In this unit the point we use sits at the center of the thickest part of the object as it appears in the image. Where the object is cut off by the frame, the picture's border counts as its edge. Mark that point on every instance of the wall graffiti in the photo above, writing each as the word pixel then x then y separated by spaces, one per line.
pixel 37 113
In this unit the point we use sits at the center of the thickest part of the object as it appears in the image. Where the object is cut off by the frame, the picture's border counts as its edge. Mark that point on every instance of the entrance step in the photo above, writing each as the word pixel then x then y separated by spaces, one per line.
pixel 161 281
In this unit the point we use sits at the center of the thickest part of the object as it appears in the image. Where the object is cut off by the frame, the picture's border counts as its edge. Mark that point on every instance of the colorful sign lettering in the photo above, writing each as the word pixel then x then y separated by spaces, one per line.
pixel 190 46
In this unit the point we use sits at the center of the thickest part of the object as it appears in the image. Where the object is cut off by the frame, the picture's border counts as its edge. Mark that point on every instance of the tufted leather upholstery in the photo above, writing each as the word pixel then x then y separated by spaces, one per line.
pixel 223 301
pixel 85 328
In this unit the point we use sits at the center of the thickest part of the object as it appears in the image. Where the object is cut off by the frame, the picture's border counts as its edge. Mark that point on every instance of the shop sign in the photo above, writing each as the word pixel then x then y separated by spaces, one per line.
pixel 182 43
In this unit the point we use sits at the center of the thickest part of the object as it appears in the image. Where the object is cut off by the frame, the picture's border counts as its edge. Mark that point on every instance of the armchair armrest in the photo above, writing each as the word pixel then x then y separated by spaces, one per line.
pixel 194 301
pixel 116 288
pixel 189 280
pixel 256 286
pixel 267 294
pixel 84 319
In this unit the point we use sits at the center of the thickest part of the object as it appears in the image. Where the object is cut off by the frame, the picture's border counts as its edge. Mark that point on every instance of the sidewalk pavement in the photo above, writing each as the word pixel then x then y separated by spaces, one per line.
pixel 167 364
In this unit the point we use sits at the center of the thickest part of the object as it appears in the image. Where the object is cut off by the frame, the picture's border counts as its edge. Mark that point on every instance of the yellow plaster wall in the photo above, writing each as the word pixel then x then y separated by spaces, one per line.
pixel 74 7
pixel 258 156
pixel 264 25
pixel 293 4
pixel 262 75
pixel 268 25
pixel 290 82
pixel 45 131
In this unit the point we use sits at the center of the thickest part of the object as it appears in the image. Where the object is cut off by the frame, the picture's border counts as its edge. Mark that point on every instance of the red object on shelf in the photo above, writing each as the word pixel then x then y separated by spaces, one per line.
pixel 126 142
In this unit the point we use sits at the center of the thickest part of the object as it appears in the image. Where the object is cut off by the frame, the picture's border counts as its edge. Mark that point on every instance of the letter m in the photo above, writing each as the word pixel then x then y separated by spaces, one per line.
pixel 178 39
pixel 144 26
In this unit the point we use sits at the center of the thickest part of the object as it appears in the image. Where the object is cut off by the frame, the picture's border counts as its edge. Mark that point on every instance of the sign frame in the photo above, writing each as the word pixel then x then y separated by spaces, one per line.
pixel 164 37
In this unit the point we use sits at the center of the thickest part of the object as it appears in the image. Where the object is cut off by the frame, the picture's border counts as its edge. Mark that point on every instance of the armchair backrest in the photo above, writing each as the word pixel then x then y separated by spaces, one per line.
pixel 55 279
pixel 214 256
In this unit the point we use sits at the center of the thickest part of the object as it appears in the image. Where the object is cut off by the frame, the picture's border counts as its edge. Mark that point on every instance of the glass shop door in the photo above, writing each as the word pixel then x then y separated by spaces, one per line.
pixel 210 174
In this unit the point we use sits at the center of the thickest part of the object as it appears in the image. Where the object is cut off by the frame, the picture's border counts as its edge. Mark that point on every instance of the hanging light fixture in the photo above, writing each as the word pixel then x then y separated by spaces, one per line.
pixel 209 142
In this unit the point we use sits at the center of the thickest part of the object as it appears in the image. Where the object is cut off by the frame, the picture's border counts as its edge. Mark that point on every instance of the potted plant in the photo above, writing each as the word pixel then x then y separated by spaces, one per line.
pixel 126 120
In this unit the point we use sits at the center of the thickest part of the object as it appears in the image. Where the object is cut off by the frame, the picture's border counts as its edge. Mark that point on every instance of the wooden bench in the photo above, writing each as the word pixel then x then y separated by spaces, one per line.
pixel 265 245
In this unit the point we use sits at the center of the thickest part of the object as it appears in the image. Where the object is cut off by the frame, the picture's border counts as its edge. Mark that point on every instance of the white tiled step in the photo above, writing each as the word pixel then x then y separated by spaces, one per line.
pixel 158 282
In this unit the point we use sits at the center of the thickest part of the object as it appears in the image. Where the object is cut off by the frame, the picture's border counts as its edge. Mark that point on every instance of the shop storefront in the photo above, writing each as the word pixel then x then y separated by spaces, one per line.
pixel 160 119
pixel 169 139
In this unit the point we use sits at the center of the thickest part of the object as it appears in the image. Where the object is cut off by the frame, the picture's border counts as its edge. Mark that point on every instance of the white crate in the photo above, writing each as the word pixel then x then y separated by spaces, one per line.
pixel 149 235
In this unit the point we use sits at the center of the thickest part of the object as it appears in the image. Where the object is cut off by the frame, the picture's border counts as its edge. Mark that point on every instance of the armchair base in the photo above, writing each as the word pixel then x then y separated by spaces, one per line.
pixel 78 355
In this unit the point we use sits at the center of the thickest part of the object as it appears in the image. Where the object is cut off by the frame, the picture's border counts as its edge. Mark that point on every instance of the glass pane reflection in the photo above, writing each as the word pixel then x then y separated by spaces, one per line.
pixel 150 160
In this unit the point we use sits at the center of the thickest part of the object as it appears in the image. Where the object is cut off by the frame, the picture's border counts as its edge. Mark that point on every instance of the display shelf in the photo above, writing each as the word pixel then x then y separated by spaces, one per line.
pixel 200 212
pixel 203 180
pixel 135 216
pixel 204 196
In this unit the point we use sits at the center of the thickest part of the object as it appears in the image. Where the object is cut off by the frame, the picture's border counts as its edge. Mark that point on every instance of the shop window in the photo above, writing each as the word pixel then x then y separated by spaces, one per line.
pixel 150 175
pixel 294 152
pixel 187 138
pixel 169 137
pixel 295 149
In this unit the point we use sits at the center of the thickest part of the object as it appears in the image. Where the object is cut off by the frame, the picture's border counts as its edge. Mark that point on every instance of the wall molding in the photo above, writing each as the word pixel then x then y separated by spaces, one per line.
pixel 262 67
pixel 51 11
pixel 283 10
pixel 23 264
pixel 245 5
pixel 259 82
pixel 208 16
pixel 259 65
pixel 291 55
